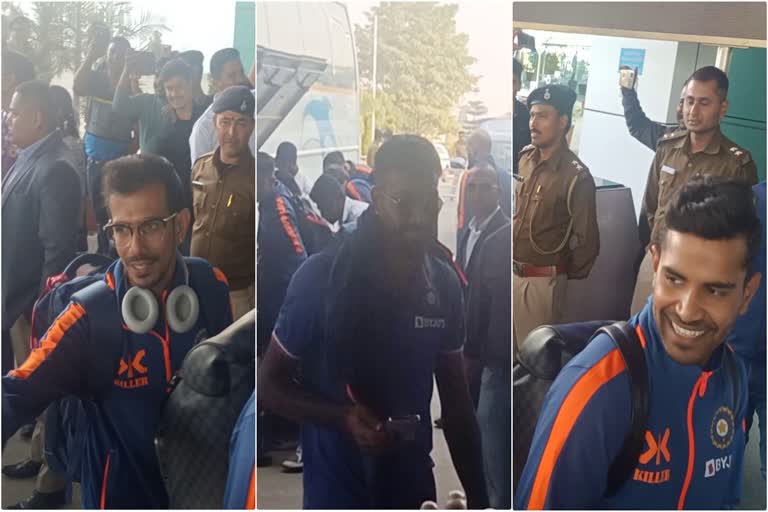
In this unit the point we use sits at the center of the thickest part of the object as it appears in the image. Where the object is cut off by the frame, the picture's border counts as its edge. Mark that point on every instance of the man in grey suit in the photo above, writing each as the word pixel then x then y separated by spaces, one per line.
pixel 41 201
pixel 482 188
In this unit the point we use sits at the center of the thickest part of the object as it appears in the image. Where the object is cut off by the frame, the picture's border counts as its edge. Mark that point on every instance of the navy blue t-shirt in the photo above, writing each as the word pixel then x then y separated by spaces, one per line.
pixel 333 466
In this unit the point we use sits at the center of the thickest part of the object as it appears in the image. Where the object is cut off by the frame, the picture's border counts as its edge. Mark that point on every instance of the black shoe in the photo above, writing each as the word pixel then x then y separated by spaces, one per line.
pixel 439 423
pixel 26 431
pixel 42 500
pixel 25 469
pixel 263 461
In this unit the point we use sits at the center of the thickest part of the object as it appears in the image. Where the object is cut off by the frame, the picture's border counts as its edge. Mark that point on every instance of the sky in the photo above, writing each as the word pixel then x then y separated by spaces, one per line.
pixel 193 25
pixel 489 26
pixel 487 22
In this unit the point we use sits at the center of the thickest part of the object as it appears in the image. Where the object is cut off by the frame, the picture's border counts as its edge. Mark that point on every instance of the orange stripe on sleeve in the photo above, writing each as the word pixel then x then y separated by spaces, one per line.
pixel 250 501
pixel 286 222
pixel 58 329
pixel 577 398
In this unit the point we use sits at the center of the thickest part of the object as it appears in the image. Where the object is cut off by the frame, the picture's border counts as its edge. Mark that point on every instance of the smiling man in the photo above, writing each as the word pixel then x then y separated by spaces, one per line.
pixel 692 459
pixel 699 150
pixel 106 347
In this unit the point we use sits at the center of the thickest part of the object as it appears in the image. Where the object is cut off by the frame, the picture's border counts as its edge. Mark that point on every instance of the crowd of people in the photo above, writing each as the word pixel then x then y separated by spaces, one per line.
pixel 360 308
pixel 168 178
pixel 698 311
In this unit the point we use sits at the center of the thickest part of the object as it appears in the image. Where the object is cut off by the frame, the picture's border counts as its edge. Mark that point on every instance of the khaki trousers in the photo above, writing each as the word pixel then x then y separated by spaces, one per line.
pixel 47 480
pixel 242 301
pixel 644 284
pixel 536 301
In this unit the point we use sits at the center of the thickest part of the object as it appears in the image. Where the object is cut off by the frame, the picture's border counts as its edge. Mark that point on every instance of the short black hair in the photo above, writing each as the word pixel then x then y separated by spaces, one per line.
pixel 517 68
pixel 286 154
pixel 63 111
pixel 173 68
pixel 338 173
pixel 18 64
pixel 37 93
pixel 709 73
pixel 326 188
pixel 220 58
pixel 193 58
pixel 410 155
pixel 265 164
pixel 715 208
pixel 128 174
pixel 334 157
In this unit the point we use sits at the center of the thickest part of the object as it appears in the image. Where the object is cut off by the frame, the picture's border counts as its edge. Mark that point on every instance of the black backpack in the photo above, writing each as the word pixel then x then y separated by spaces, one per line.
pixel 541 357
pixel 192 443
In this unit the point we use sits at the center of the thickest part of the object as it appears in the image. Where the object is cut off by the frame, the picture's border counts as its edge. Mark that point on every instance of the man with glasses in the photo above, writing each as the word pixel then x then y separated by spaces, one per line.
pixel 483 191
pixel 104 347
pixel 555 223
pixel 371 321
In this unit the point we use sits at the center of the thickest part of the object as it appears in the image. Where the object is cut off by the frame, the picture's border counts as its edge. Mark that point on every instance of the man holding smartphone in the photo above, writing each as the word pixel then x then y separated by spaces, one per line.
pixel 165 119
pixel 371 321
pixel 108 135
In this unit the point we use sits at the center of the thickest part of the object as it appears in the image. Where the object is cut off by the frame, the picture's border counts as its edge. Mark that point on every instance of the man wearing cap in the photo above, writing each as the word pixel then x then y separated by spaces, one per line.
pixel 226 71
pixel 224 189
pixel 701 149
pixel 555 224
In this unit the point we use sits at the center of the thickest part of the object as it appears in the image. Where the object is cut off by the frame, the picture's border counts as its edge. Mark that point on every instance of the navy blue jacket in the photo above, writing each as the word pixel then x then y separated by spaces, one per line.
pixel 694 442
pixel 124 396
pixel 748 334
pixel 279 253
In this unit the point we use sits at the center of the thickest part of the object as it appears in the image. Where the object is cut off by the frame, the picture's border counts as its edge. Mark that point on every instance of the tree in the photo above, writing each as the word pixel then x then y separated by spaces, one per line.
pixel 59 38
pixel 470 114
pixel 423 66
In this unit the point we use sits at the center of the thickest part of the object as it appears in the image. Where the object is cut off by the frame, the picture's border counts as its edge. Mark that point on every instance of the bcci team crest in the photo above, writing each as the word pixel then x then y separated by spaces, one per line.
pixel 722 429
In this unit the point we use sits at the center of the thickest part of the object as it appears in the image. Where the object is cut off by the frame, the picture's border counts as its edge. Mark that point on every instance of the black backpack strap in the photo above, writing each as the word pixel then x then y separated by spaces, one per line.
pixel 626 339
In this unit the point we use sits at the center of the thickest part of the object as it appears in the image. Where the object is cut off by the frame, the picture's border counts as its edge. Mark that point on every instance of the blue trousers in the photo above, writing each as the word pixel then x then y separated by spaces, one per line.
pixel 494 415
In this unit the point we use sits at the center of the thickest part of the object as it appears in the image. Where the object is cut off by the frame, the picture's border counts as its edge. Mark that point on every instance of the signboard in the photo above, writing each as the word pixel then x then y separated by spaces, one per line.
pixel 633 58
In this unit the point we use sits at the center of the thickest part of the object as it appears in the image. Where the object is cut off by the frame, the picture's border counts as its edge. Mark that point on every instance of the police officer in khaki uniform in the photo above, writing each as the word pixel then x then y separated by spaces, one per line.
pixel 555 224
pixel 700 149
pixel 224 197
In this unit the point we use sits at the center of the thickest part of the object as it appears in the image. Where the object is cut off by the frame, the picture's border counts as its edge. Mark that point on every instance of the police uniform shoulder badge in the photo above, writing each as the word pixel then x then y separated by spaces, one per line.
pixel 527 148
pixel 722 429
pixel 742 154
pixel 673 135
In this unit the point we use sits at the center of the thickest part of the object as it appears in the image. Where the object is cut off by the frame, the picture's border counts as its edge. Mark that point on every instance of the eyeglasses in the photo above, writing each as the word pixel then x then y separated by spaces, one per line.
pixel 150 230
pixel 431 204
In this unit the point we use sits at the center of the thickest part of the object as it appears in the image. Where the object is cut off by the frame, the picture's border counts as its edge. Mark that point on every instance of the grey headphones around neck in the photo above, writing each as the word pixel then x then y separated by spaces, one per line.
pixel 140 309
